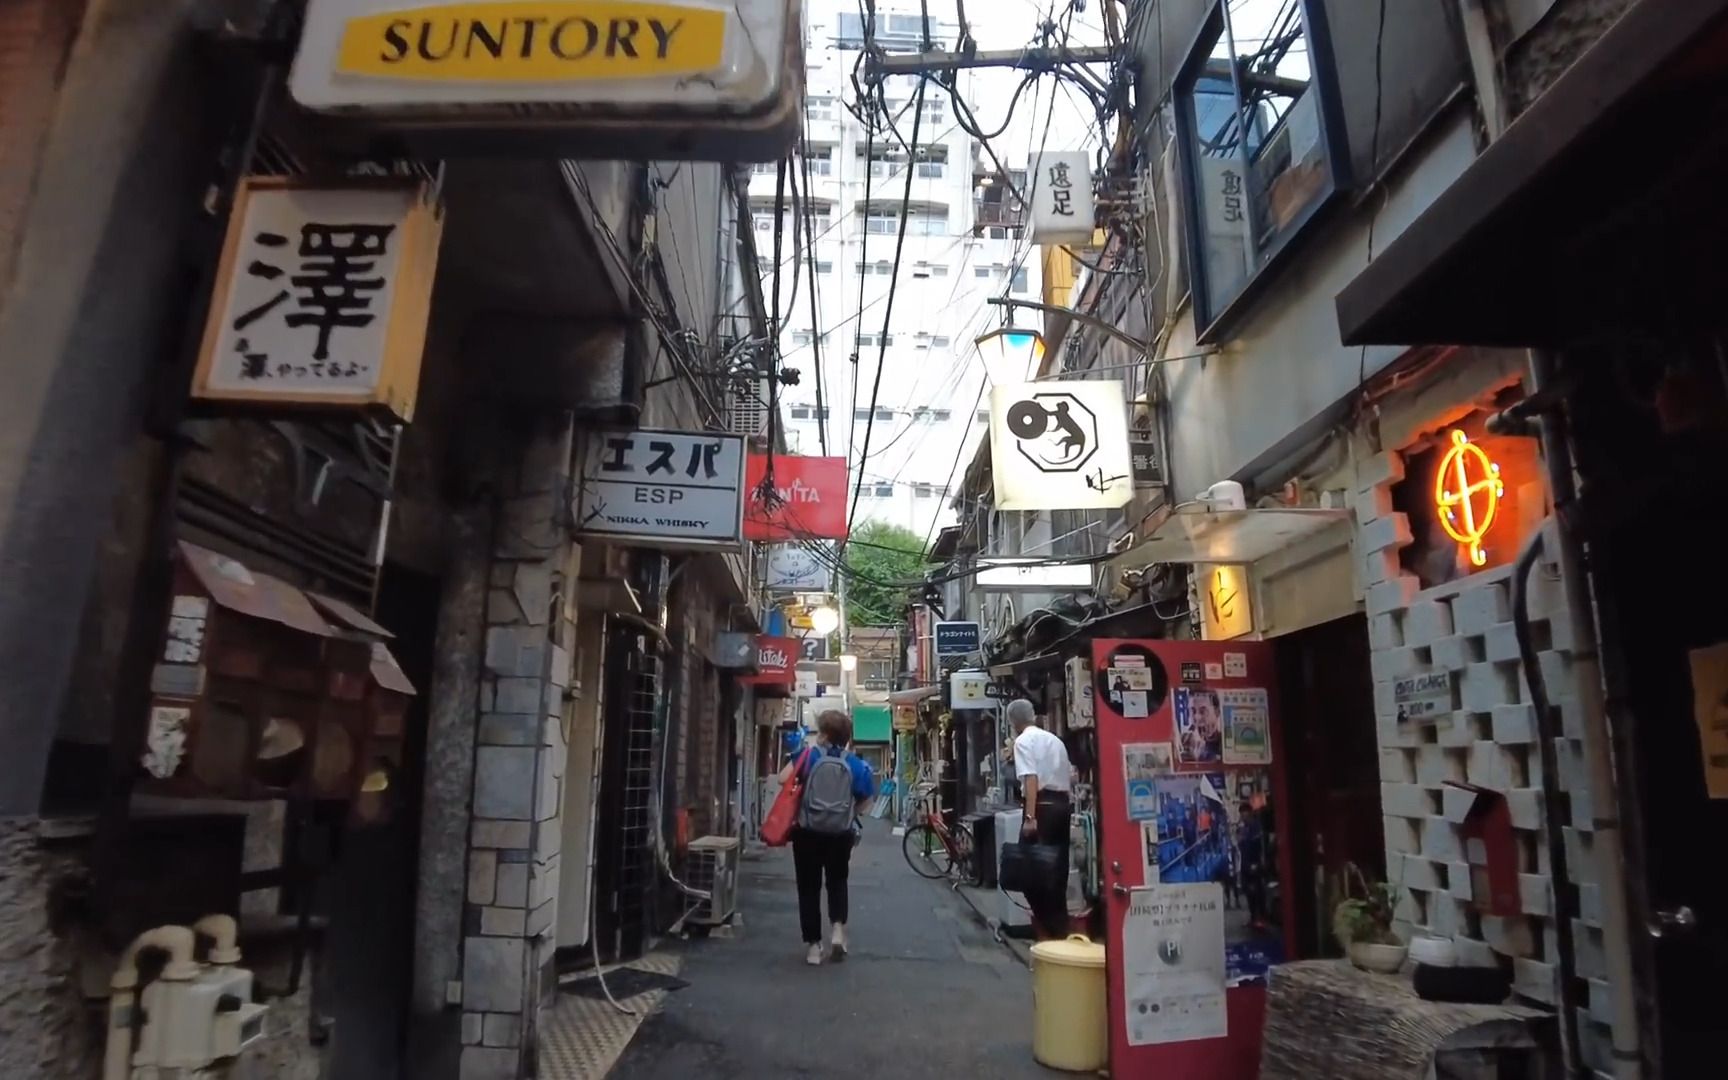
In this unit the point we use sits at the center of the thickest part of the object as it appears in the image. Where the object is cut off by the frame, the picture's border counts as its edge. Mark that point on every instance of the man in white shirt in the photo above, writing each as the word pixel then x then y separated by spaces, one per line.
pixel 1046 775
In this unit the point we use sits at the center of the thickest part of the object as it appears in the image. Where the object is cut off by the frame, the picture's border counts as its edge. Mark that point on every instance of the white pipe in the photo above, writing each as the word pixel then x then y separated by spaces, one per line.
pixel 226 933
pixel 178 942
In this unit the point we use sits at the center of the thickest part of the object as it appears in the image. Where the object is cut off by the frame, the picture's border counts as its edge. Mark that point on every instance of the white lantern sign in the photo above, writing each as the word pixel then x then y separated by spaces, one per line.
pixel 1060 446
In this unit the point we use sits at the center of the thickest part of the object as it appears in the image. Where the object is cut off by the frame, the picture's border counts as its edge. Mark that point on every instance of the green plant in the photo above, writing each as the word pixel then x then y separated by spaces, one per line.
pixel 884 555
pixel 1366 917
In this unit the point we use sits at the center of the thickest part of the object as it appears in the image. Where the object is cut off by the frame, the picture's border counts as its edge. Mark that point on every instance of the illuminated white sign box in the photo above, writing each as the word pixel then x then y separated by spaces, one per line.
pixel 1035 576
pixel 715 81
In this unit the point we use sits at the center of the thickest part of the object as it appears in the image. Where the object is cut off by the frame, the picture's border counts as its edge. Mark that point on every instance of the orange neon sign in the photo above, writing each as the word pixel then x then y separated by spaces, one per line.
pixel 1467 493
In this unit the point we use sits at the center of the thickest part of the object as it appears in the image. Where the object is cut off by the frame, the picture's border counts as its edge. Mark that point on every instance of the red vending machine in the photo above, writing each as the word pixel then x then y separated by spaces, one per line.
pixel 1195 862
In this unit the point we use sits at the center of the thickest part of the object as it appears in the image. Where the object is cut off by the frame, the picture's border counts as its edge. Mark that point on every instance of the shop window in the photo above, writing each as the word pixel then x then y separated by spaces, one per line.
pixel 1262 144
pixel 1472 499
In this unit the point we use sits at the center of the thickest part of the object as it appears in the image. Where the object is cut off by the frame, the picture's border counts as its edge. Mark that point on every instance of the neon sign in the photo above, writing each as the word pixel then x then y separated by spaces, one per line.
pixel 1467 493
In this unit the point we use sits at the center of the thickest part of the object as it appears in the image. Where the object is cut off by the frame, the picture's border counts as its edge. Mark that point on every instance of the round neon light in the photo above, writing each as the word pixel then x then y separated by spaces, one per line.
pixel 1467 493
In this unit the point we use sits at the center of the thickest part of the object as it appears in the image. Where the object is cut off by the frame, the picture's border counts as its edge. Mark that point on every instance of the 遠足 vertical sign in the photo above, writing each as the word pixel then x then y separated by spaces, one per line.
pixel 322 295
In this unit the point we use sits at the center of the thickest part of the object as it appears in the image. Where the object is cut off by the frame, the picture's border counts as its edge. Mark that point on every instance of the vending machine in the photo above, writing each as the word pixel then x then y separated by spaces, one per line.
pixel 1195 860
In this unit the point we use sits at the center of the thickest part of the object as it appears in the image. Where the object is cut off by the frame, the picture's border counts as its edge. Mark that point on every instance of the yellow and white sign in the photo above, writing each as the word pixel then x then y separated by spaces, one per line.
pixel 1226 603
pixel 395 55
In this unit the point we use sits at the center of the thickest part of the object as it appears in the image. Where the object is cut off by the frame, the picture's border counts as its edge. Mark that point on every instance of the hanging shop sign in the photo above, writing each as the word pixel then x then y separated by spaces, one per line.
pixel 585 65
pixel 1060 446
pixel 969 690
pixel 1143 460
pixel 776 662
pixel 807 499
pixel 1467 494
pixel 1061 195
pixel 1034 575
pixel 1226 608
pixel 814 648
pixel 795 568
pixel 804 684
pixel 664 489
pixel 956 638
pixel 321 296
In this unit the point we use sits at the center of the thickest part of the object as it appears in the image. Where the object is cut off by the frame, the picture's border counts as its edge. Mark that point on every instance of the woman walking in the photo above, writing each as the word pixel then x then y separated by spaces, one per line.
pixel 838 787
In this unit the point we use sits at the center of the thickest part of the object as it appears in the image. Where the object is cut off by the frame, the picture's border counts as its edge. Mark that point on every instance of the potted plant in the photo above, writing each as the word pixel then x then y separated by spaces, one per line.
pixel 1362 923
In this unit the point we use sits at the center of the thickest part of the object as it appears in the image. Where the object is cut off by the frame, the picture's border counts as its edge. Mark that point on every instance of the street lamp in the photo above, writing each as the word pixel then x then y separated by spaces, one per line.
pixel 1011 355
pixel 824 620
pixel 848 662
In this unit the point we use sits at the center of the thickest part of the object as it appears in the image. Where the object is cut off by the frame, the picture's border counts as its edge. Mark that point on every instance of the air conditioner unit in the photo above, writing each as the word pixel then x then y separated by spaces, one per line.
pixel 712 867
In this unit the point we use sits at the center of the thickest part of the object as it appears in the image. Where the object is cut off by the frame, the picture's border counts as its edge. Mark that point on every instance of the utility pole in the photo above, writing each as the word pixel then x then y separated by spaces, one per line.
pixel 846 677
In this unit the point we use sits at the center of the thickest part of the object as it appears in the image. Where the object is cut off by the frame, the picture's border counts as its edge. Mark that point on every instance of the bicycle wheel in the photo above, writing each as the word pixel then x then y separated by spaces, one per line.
pixel 925 852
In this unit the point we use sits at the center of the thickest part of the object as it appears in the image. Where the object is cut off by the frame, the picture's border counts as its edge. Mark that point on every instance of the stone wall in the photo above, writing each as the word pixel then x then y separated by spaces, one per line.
pixel 46 1032
pixel 509 932
pixel 1491 739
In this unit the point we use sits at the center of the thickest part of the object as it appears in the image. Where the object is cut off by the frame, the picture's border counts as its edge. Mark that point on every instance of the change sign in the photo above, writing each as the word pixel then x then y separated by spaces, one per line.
pixel 1424 696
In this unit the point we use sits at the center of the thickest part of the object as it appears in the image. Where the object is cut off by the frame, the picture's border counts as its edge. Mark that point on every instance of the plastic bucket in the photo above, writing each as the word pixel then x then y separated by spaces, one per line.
pixel 1070 1019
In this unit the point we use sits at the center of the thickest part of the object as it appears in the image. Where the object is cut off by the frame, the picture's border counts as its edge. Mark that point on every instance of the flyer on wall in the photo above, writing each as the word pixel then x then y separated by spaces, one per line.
pixel 1130 689
pixel 1199 726
pixel 1173 964
pixel 1142 765
pixel 1247 738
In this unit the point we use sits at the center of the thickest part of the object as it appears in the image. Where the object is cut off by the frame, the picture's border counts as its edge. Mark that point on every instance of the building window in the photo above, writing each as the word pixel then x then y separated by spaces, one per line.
pixel 766 168
pixel 884 491
pixel 925 491
pixel 862 415
pixel 824 266
pixel 1262 145
pixel 885 224
pixel 940 341
pixel 983 416
pixel 927 222
pixel 800 412
pixel 932 169
pixel 1020 283
pixel 764 220
pixel 982 272
pixel 938 270
pixel 871 341
pixel 819 108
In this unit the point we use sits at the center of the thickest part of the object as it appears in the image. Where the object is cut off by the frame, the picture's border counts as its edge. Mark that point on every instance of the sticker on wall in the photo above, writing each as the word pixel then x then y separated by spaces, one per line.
pixel 1173 964
pixel 1142 765
pixel 1192 672
pixel 1199 726
pixel 1149 852
pixel 165 742
pixel 1235 665
pixel 1194 828
pixel 1139 673
pixel 1247 735
pixel 1214 672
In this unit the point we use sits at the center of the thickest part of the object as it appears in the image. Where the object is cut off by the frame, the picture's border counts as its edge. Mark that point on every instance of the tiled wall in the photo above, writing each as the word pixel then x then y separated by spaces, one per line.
pixel 1490 739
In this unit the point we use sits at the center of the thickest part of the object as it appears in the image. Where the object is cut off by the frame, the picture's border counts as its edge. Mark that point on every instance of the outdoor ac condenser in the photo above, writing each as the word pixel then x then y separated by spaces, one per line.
pixel 713 868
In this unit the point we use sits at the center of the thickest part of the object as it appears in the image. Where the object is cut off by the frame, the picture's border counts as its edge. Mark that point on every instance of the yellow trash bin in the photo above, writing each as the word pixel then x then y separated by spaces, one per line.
pixel 1070 1018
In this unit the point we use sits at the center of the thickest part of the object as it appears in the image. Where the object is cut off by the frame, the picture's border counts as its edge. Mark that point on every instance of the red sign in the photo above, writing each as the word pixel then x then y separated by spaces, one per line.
pixel 776 662
pixel 809 501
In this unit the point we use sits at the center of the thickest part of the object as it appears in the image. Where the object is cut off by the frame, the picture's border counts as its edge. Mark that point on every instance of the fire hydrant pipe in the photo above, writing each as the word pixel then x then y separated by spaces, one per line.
pixel 177 942
pixel 226 933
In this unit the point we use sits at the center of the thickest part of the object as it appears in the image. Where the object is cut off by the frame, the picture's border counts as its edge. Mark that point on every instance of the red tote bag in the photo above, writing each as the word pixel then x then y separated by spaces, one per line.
pixel 777 826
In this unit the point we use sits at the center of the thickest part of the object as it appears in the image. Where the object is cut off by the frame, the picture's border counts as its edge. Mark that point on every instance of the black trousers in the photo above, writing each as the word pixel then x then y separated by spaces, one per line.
pixel 816 858
pixel 1050 906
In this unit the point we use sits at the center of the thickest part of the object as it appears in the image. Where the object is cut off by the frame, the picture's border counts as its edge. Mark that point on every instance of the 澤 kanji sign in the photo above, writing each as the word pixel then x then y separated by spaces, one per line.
pixel 666 489
pixel 322 296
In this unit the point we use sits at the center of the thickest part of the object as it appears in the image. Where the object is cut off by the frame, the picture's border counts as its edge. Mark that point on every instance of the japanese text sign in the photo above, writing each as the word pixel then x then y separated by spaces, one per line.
pixel 1060 190
pixel 806 500
pixel 666 488
pixel 322 296
pixel 792 568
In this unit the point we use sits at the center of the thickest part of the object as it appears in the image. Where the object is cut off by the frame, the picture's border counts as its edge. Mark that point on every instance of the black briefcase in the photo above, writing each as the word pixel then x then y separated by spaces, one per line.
pixel 1028 867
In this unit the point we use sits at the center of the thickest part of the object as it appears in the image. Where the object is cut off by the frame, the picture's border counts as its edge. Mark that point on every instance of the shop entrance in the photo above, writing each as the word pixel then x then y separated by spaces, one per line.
pixel 1327 691
pixel 1653 486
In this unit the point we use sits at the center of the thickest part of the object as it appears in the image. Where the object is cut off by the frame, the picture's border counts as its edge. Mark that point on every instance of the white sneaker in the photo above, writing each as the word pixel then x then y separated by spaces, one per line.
pixel 814 956
pixel 837 950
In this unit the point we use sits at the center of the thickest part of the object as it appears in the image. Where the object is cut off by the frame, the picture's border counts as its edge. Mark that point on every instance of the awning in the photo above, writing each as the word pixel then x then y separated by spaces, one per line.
pixel 1203 536
pixel 1598 209
pixel 913 696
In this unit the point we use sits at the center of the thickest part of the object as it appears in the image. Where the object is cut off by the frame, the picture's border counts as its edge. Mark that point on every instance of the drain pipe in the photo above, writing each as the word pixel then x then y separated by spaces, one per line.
pixel 123 1015
pixel 1587 688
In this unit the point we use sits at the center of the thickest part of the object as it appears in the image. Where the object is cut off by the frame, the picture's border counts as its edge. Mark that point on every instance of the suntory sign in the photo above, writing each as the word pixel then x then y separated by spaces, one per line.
pixel 417 59
pixel 535 41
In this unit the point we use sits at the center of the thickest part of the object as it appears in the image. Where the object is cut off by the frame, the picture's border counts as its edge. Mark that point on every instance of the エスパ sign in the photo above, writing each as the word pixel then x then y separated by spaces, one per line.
pixel 665 488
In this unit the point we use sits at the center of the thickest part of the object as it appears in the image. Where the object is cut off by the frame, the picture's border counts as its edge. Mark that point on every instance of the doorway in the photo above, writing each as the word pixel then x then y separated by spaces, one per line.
pixel 368 894
pixel 1333 768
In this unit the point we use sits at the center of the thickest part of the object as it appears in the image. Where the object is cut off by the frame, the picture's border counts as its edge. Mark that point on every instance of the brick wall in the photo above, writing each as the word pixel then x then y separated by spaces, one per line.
pixel 1490 738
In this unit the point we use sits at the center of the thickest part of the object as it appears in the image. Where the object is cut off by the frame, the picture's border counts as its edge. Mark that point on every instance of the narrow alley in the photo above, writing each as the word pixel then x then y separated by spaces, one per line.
pixel 925 991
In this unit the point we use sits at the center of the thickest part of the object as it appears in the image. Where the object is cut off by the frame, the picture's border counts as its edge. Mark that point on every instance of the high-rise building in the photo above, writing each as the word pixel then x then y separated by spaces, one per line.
pixel 963 243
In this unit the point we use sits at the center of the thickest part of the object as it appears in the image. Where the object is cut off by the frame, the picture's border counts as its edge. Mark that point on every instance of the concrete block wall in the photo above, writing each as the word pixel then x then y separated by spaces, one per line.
pixel 1490 738
pixel 509 928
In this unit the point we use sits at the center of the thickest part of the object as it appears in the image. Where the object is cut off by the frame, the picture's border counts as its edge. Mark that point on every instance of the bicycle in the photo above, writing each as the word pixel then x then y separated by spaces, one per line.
pixel 932 849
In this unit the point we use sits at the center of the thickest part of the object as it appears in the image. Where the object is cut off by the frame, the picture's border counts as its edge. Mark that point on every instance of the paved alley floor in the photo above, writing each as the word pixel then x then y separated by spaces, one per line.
pixel 926 992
